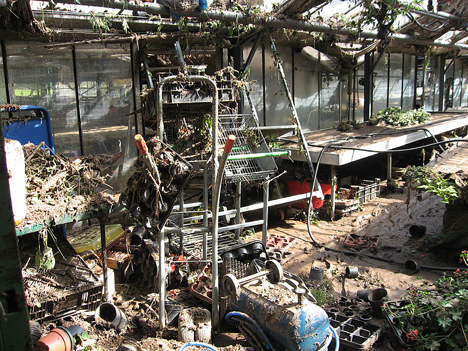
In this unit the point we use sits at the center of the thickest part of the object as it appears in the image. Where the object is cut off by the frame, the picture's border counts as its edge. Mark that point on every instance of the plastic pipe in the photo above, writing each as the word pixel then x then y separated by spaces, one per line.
pixel 258 155
pixel 199 344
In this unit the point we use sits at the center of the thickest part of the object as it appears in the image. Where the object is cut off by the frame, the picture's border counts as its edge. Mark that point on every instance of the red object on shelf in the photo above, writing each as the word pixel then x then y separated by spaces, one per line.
pixel 296 187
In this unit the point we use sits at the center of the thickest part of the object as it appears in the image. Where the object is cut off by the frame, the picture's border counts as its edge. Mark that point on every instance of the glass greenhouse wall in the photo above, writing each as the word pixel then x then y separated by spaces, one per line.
pixel 88 92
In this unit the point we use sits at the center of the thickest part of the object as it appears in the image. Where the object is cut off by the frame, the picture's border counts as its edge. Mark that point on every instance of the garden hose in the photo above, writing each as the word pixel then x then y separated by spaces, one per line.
pixel 246 324
pixel 199 344
pixel 337 339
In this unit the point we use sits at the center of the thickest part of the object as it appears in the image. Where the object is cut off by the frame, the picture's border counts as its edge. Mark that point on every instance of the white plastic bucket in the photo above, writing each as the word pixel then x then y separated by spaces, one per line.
pixel 17 178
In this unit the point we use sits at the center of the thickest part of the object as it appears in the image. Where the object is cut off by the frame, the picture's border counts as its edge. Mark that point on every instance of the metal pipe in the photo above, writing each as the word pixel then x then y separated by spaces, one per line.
pixel 266 198
pixel 258 155
pixel 237 204
pixel 266 21
pixel 440 15
pixel 77 97
pixel 218 177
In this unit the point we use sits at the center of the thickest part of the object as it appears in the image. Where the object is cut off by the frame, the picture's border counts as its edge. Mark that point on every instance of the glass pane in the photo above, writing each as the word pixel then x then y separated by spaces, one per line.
pixel 359 95
pixel 306 95
pixel 408 82
pixel 256 78
pixel 394 91
pixel 448 84
pixel 432 84
pixel 44 77
pixel 380 85
pixel 3 97
pixel 457 83
pixel 277 108
pixel 464 85
pixel 329 101
pixel 105 92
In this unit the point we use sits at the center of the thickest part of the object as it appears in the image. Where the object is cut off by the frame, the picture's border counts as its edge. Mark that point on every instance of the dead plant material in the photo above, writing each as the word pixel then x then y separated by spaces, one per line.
pixel 58 185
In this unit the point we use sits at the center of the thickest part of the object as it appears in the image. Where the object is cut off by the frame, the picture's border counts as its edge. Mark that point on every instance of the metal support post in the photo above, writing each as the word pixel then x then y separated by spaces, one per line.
pixel 266 195
pixel 102 226
pixel 205 214
pixel 181 222
pixel 333 181
pixel 237 202
pixel 162 280
pixel 389 165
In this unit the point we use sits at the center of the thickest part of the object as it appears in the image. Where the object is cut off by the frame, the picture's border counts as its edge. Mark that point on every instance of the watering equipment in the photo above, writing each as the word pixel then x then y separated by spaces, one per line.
pixel 286 318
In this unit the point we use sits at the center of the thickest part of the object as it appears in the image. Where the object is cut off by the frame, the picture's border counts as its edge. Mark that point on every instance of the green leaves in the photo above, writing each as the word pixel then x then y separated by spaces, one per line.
pixel 432 182
pixel 395 116
pixel 438 312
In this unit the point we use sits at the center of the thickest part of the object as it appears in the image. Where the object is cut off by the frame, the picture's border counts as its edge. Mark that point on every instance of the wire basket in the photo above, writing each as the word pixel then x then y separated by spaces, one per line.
pixel 249 141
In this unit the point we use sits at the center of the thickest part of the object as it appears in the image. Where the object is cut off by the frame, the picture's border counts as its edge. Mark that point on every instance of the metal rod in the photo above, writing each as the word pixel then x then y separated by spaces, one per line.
pixel 237 202
pixel 258 155
pixel 218 171
pixel 296 118
pixel 77 97
pixel 102 226
pixel 267 21
pixel 205 215
pixel 5 72
pixel 162 280
pixel 266 197
pixel 180 57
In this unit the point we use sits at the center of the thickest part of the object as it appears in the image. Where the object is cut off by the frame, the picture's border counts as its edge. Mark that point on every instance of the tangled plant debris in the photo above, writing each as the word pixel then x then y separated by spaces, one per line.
pixel 58 185
pixel 435 317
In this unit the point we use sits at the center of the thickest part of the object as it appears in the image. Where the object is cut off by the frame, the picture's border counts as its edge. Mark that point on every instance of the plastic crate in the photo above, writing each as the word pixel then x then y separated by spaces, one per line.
pixel 366 191
pixel 70 286
pixel 354 333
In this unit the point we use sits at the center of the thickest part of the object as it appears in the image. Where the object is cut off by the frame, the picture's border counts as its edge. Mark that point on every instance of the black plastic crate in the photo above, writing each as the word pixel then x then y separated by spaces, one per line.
pixel 354 333
pixel 68 287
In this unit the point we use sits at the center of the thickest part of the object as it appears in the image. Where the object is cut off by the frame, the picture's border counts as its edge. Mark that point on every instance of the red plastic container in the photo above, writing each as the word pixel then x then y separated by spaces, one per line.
pixel 296 187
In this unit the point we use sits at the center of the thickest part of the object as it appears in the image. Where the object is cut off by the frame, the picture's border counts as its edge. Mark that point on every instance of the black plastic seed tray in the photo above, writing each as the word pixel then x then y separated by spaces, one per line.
pixel 354 333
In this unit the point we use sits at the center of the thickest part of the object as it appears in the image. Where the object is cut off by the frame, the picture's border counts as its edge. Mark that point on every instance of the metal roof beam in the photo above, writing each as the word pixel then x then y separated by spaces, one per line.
pixel 266 21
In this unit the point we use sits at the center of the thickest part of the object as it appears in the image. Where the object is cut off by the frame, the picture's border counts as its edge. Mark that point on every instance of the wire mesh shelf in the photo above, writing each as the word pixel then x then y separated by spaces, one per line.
pixel 249 140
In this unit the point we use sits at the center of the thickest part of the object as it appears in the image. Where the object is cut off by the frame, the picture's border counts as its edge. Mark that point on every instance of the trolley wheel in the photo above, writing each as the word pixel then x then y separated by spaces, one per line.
pixel 231 285
pixel 276 271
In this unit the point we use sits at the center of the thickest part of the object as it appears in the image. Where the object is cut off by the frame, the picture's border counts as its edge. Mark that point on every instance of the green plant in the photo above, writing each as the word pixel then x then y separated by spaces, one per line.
pixel 343 127
pixel 395 116
pixel 252 138
pixel 435 317
pixel 446 189
pixel 323 291
pixel 422 177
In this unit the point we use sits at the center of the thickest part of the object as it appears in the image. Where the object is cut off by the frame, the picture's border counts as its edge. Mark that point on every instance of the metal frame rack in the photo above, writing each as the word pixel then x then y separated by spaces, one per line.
pixel 249 160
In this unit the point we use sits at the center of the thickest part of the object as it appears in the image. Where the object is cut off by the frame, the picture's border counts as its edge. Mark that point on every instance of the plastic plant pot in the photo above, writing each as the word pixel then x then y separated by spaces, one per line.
pixel 316 273
pixel 111 314
pixel 363 295
pixel 412 267
pixel 352 272
pixel 59 339
pixel 417 230
pixel 376 299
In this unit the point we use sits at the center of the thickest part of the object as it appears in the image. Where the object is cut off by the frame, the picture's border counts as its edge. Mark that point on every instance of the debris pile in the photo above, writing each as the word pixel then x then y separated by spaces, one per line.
pixel 58 185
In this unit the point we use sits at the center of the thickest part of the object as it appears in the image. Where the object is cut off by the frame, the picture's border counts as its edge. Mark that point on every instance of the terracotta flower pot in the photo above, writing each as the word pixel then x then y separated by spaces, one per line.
pixel 59 339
